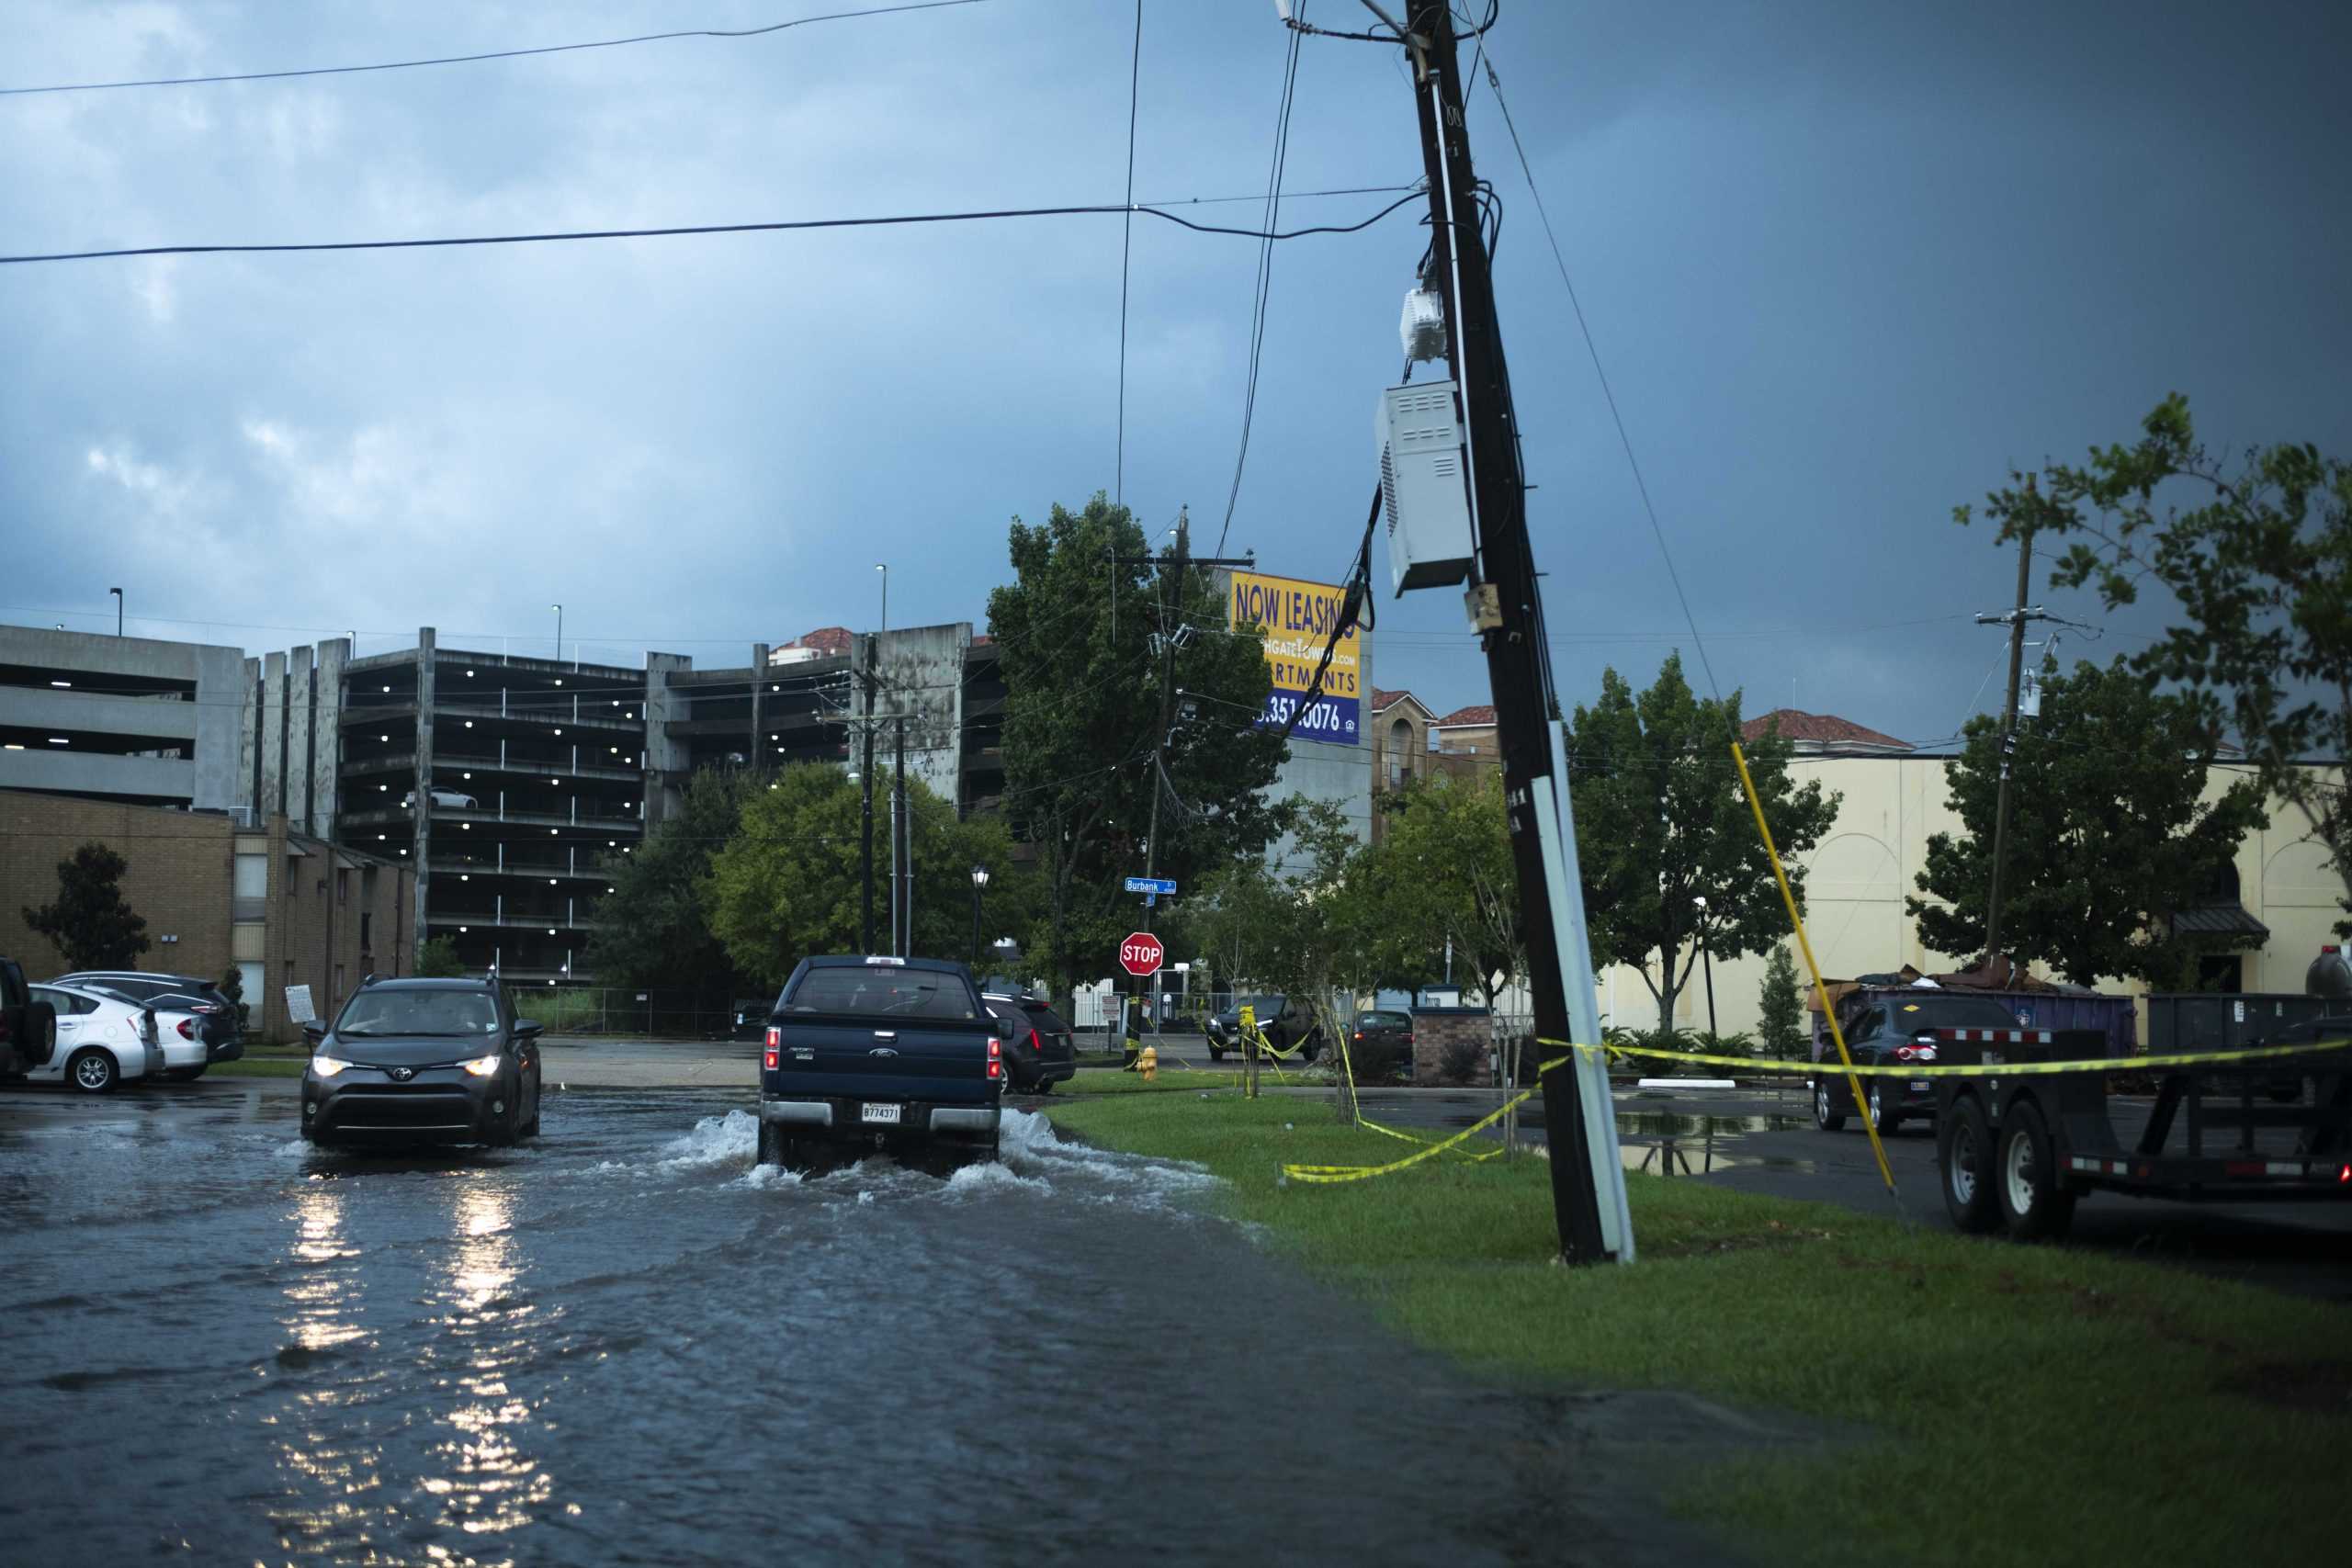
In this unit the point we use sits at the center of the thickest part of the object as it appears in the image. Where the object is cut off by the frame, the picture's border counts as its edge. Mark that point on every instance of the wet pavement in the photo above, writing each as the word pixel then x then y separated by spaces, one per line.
pixel 625 1344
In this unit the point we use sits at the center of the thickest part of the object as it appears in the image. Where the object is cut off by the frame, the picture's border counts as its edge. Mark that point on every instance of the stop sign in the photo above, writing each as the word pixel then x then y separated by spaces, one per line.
pixel 1141 952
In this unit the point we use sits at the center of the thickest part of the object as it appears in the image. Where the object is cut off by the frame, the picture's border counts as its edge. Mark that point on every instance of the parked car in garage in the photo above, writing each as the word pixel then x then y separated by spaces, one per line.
pixel 190 1010
pixel 450 797
pixel 104 1039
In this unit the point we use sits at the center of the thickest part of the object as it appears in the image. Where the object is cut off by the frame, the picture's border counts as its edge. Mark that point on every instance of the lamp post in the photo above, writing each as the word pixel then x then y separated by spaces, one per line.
pixel 1707 961
pixel 118 609
pixel 559 632
pixel 885 570
pixel 980 881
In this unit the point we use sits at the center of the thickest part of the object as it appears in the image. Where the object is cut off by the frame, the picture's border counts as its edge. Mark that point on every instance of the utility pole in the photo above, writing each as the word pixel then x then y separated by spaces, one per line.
pixel 902 842
pixel 2015 620
pixel 1505 609
pixel 865 783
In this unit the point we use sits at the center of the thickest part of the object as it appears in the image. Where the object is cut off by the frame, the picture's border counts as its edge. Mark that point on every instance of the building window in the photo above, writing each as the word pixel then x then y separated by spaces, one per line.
pixel 366 918
pixel 251 877
pixel 342 885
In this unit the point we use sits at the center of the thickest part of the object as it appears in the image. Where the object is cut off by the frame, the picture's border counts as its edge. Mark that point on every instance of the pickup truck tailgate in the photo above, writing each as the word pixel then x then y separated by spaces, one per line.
pixel 914 1060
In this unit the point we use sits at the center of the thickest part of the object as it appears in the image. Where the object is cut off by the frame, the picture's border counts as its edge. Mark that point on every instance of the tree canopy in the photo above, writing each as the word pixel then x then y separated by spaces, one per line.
pixel 1442 871
pixel 2109 833
pixel 2256 551
pixel 652 930
pixel 91 922
pixel 1079 631
pixel 1662 823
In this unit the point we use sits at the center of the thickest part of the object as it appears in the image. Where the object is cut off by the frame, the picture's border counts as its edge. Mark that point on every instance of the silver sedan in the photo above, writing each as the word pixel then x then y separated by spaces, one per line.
pixel 103 1038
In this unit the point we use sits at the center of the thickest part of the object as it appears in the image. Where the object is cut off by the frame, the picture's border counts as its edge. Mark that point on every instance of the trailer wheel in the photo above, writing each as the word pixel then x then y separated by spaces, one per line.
pixel 2033 1206
pixel 1964 1161
pixel 1825 1114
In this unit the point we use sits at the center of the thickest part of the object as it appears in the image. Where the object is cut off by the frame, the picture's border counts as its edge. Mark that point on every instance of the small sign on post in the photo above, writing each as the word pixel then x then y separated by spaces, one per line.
pixel 298 1005
pixel 1162 887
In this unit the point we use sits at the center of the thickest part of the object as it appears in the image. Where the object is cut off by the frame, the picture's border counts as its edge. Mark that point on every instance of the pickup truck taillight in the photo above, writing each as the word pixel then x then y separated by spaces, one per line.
pixel 775 1045
pixel 996 1058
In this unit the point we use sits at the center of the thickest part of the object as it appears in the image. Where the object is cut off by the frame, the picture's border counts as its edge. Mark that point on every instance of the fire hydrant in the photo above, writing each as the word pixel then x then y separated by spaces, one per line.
pixel 1147 1064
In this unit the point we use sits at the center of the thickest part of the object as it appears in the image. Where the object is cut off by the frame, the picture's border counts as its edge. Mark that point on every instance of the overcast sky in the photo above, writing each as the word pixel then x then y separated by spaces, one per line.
pixel 1844 263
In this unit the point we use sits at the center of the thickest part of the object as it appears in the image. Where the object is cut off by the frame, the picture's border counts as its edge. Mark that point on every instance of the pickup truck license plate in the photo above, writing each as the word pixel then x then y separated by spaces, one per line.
pixel 884 1113
pixel 1920 1086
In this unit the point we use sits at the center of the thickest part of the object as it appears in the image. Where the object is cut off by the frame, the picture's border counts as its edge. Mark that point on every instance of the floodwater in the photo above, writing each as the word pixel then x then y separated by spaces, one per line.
pixel 626 1344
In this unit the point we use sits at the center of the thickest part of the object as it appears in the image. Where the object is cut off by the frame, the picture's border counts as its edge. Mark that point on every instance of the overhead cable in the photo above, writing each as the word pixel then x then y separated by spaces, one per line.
pixel 486 54
pixel 779 226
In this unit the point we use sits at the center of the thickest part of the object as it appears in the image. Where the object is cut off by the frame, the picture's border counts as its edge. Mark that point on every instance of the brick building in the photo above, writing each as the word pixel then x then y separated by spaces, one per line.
pixel 285 908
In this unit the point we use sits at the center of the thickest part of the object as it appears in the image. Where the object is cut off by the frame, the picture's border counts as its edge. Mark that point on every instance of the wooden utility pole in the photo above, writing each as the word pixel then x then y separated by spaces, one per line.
pixel 1505 609
pixel 2015 620
pixel 865 785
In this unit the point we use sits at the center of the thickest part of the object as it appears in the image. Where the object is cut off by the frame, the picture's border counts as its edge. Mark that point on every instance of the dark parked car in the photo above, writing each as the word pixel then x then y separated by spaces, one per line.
pixel 207 1012
pixel 27 1028
pixel 1039 1049
pixel 434 1060
pixel 1381 1046
pixel 1890 1029
pixel 750 1018
pixel 1283 1023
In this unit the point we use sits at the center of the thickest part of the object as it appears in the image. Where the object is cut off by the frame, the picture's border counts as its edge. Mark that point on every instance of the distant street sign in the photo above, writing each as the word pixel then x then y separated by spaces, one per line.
pixel 1141 953
pixel 1163 885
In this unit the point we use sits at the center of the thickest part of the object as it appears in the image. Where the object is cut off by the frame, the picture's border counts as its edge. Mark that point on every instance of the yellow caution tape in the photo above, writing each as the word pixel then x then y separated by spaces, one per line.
pixel 2159 1063
pixel 1337 1173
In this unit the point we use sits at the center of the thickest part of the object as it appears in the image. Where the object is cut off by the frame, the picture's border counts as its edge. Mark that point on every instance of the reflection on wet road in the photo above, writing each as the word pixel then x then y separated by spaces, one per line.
pixel 626 1344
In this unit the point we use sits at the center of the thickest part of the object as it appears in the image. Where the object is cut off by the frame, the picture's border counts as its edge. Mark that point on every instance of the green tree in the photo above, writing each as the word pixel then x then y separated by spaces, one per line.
pixel 1781 1004
pixel 652 929
pixel 1079 631
pixel 2258 555
pixel 787 884
pixel 232 986
pixel 438 960
pixel 1661 822
pixel 1444 871
pixel 91 924
pixel 2109 833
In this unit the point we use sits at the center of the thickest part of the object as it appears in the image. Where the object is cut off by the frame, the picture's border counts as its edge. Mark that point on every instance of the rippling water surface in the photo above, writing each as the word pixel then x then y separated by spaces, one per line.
pixel 626 1344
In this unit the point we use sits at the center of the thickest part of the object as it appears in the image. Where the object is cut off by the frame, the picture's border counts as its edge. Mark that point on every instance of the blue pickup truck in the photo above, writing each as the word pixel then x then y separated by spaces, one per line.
pixel 896 1055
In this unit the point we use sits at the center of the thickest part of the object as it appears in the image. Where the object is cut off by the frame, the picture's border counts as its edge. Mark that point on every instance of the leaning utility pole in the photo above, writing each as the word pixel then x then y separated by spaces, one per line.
pixel 1505 609
pixel 865 783
pixel 2015 620
pixel 902 867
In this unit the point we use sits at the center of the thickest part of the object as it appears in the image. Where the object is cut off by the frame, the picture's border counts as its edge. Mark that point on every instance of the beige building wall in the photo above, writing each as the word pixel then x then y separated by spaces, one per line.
pixel 1858 875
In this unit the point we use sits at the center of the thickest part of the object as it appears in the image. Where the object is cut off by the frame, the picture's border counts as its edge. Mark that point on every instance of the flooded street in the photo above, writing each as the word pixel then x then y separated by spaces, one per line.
pixel 625 1344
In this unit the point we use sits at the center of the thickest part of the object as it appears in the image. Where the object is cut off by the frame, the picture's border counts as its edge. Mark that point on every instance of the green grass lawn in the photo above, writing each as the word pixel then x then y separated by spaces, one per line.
pixel 1168 1080
pixel 2027 1404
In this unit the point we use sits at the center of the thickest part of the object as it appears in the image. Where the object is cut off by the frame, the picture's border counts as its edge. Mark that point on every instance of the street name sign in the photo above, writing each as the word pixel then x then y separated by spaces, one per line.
pixel 1163 885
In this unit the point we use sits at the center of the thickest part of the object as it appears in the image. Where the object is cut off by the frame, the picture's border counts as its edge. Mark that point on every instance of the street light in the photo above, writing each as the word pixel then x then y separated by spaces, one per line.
pixel 980 880
pixel 885 570
pixel 118 609
pixel 559 632
pixel 1707 961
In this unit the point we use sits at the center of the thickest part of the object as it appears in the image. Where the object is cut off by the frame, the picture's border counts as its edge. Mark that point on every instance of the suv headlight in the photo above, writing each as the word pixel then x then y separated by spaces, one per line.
pixel 327 1066
pixel 482 1066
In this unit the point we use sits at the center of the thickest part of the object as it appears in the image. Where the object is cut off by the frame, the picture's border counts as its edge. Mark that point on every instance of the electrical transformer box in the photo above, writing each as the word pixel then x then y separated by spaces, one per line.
pixel 1422 488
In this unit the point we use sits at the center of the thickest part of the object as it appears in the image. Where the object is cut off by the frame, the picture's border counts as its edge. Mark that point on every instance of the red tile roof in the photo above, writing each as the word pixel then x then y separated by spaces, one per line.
pixel 824 639
pixel 1483 714
pixel 1381 698
pixel 1822 728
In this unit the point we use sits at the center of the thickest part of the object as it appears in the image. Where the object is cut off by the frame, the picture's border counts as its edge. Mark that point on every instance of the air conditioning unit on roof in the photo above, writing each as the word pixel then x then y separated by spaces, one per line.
pixel 1422 486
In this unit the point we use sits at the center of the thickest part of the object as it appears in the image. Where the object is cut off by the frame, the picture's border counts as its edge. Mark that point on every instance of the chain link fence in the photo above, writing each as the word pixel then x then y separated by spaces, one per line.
pixel 622 1012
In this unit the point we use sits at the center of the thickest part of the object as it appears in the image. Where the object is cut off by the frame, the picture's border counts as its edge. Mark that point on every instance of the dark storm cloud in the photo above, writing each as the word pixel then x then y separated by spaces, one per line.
pixel 1845 265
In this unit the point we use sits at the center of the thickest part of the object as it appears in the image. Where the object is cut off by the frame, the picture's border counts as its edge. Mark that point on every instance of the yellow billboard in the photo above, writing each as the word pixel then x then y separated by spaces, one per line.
pixel 1298 617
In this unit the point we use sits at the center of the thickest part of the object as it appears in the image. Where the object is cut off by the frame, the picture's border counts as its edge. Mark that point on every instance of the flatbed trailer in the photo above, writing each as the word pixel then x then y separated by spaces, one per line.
pixel 2014 1151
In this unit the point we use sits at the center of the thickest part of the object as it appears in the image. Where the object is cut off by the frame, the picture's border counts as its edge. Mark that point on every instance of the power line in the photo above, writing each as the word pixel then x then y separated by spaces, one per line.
pixel 1265 277
pixel 1263 235
pixel 1127 250
pixel 487 54
pixel 1639 483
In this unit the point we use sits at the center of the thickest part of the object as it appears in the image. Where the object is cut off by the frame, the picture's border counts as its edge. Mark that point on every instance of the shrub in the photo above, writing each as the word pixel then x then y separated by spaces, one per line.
pixel 1463 1062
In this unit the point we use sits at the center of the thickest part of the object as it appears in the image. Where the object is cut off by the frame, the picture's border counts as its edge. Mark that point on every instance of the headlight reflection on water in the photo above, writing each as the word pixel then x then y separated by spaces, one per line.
pixel 489 1483
pixel 336 1471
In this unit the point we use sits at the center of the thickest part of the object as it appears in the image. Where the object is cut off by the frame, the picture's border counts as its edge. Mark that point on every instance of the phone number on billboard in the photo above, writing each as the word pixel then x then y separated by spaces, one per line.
pixel 1321 720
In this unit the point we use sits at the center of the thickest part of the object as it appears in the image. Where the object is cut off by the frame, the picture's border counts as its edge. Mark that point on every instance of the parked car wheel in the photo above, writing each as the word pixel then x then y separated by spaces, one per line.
pixel 93 1072
pixel 1217 1053
pixel 2033 1207
pixel 1825 1115
pixel 1963 1157
pixel 1885 1120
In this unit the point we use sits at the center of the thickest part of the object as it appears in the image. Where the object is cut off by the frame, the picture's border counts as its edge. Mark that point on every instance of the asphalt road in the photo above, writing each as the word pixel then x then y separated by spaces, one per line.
pixel 1756 1142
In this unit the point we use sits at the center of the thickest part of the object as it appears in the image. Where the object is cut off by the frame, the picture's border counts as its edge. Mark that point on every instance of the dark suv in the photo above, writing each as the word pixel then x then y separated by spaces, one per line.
pixel 1283 1023
pixel 1039 1049
pixel 433 1061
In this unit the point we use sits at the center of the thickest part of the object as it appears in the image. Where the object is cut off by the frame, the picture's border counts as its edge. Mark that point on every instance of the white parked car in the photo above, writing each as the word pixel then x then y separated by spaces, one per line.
pixel 103 1038
pixel 444 797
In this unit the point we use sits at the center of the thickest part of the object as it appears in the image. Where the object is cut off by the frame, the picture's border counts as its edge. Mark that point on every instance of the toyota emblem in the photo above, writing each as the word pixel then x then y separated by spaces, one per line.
pixel 402 1075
